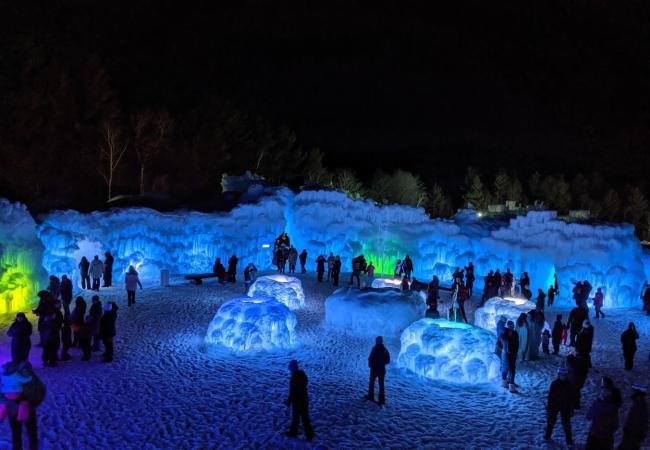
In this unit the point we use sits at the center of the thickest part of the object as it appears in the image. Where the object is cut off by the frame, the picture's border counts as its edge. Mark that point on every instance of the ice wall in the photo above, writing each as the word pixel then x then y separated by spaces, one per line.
pixel 181 241
pixel 450 351
pixel 21 256
pixel 250 324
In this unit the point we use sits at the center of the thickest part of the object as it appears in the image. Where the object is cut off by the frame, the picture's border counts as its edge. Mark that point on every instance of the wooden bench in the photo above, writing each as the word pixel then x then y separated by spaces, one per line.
pixel 197 278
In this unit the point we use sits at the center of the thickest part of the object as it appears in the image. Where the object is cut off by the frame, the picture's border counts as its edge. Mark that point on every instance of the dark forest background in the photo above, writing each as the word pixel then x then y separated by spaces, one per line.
pixel 426 103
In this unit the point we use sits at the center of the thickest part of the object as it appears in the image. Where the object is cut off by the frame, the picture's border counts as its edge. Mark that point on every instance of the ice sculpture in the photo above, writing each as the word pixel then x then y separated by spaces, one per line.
pixel 395 283
pixel 487 316
pixel 283 288
pixel 450 351
pixel 249 324
pixel 373 312
pixel 21 256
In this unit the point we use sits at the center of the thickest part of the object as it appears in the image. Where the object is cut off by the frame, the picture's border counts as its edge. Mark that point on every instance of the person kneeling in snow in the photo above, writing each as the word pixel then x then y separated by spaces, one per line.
pixel 299 401
pixel 377 361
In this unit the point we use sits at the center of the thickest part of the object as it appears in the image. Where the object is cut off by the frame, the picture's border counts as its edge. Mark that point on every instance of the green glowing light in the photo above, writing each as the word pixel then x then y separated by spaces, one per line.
pixel 18 283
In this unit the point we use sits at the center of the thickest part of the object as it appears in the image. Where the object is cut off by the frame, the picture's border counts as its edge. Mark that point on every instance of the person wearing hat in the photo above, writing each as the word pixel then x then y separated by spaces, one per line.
pixel 510 347
pixel 299 401
pixel 561 399
pixel 377 361
pixel 635 429
pixel 107 330
pixel 628 339
pixel 584 341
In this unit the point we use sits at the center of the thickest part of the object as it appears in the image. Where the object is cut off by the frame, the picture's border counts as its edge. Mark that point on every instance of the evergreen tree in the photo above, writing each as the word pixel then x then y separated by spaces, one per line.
pixel 501 186
pixel 611 206
pixel 439 203
pixel 476 195
pixel 346 181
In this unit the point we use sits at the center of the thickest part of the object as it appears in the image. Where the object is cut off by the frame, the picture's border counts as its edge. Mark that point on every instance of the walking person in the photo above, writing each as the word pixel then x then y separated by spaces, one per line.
pixel 628 339
pixel 635 429
pixel 598 303
pixel 84 269
pixel 96 272
pixel 20 333
pixel 232 269
pixel 379 357
pixel 509 340
pixel 522 330
pixel 131 281
pixel 336 271
pixel 550 295
pixel 331 260
pixel 320 268
pixel 556 333
pixel 108 269
pixel 107 330
pixel 299 401
pixel 303 260
pixel 561 400
pixel 95 314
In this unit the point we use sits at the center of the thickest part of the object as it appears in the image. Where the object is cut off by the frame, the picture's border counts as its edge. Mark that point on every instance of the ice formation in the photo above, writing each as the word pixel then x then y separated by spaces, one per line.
pixel 21 256
pixel 249 324
pixel 283 288
pixel 387 283
pixel 488 315
pixel 443 350
pixel 373 312
pixel 608 256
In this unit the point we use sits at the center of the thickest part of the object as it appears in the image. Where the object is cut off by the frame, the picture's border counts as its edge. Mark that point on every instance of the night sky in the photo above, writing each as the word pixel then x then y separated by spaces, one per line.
pixel 553 86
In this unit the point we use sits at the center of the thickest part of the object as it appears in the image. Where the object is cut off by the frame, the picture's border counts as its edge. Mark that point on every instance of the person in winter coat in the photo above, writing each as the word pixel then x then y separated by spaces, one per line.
pixel 404 285
pixel 469 278
pixel 85 337
pixel 356 270
pixel 546 340
pixel 556 334
pixel 232 269
pixel 561 400
pixel 541 298
pixel 107 330
pixel 299 401
pixel 52 335
pixel 522 331
pixel 370 270
pixel 433 296
pixel 510 344
pixel 628 339
pixel 96 272
pixel 66 333
pixel 249 273
pixel 303 260
pixel 21 342
pixel 550 295
pixel 379 357
pixel 331 260
pixel 576 317
pixel 131 281
pixel 603 414
pixel 407 264
pixel 336 272
pixel 55 287
pixel 84 268
pixel 501 326
pixel 219 270
pixel 578 371
pixel 66 291
pixel 108 269
pixel 399 269
pixel 584 340
pixel 320 268
pixel 77 319
pixel 635 429
pixel 293 258
pixel 646 301
pixel 45 304
pixel 95 314
pixel 535 326
pixel 598 303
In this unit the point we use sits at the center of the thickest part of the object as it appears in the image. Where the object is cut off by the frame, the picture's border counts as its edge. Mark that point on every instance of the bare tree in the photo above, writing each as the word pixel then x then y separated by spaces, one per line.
pixel 151 132
pixel 112 149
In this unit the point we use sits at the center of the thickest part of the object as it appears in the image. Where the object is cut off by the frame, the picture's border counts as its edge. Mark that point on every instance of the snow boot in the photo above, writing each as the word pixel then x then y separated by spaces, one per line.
pixel 504 384
pixel 512 388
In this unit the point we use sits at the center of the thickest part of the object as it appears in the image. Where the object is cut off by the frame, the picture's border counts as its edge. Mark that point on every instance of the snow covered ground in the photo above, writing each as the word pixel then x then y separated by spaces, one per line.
pixel 169 390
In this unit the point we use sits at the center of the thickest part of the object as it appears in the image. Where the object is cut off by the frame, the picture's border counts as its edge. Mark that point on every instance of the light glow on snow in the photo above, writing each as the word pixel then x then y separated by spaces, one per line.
pixel 387 282
pixel 441 350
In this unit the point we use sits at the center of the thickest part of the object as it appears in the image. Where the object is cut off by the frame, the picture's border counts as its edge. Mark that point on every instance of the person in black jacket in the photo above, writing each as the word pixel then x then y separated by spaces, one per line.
pixel 44 305
pixel 107 330
pixel 299 401
pixel 303 260
pixel 584 341
pixel 556 334
pixel 628 339
pixel 320 267
pixel 77 319
pixel 21 343
pixel 66 291
pixel 635 429
pixel 603 414
pixel 84 268
pixel 232 269
pixel 561 400
pixel 377 361
pixel 95 314
pixel 509 340
pixel 576 317
pixel 52 335
pixel 220 271
pixel 336 271
pixel 66 332
pixel 578 371
pixel 108 269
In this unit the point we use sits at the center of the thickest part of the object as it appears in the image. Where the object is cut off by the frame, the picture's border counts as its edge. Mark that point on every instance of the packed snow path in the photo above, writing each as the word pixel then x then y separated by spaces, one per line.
pixel 168 390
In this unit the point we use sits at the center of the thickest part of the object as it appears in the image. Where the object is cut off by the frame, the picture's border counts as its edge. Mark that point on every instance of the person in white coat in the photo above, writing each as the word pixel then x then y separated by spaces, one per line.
pixel 96 272
pixel 522 330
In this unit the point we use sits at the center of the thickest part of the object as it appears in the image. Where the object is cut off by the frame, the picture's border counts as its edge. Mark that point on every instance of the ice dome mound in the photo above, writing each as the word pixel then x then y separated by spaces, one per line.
pixel 373 312
pixel 387 283
pixel 488 316
pixel 285 289
pixel 249 324
pixel 443 350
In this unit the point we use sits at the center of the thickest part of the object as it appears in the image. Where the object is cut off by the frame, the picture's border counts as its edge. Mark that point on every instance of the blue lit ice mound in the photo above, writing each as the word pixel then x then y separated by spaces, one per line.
pixel 443 350
pixel 387 283
pixel 372 312
pixel 285 289
pixel 249 324
pixel 488 316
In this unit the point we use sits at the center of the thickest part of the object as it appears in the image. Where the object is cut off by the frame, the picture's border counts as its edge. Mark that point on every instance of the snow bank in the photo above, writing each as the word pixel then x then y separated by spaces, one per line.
pixel 247 324
pixel 488 316
pixel 373 312
pixel 21 256
pixel 450 351
pixel 181 241
pixel 285 289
